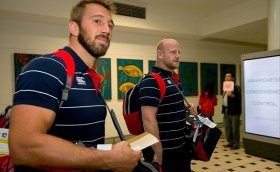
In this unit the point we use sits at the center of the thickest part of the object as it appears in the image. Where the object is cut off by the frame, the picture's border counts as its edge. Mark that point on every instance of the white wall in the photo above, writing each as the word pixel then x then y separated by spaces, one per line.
pixel 40 38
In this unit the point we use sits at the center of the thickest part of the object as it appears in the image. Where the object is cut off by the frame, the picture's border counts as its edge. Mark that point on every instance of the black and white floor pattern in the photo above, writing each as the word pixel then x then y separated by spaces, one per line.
pixel 226 160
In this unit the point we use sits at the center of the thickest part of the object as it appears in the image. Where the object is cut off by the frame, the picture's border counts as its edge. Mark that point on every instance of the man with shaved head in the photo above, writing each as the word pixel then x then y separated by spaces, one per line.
pixel 166 118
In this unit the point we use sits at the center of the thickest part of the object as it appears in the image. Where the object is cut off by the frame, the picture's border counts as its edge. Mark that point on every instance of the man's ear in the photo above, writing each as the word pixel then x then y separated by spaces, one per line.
pixel 73 28
pixel 159 54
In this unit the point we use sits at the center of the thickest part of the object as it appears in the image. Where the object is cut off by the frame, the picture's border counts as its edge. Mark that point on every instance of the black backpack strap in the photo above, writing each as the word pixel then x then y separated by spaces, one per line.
pixel 70 69
pixel 184 98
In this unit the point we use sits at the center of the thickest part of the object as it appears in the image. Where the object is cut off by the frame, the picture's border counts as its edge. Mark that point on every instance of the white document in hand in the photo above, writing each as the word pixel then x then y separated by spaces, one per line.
pixel 142 141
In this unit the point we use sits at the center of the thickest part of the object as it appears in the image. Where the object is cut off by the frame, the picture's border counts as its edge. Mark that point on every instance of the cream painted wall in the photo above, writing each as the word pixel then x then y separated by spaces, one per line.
pixel 39 38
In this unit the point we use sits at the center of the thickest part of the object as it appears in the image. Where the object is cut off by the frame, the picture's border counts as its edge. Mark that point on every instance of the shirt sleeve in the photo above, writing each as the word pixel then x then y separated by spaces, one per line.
pixel 149 92
pixel 41 83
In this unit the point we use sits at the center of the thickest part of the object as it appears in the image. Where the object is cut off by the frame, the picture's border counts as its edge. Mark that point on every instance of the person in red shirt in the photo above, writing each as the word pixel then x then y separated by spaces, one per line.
pixel 208 101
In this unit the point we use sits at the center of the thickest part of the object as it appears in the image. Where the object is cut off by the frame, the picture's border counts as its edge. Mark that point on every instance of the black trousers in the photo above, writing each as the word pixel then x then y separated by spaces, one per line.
pixel 232 128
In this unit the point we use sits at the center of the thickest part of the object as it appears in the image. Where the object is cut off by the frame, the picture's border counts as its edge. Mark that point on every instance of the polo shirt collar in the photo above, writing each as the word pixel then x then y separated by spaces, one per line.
pixel 166 73
pixel 80 65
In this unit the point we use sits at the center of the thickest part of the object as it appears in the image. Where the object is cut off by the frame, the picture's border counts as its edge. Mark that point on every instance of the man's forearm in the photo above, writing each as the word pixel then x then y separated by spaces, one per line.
pixel 152 127
pixel 53 152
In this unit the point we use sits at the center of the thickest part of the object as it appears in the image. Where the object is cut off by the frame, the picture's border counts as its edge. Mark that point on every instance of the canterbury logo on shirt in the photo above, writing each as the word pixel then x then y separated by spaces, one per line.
pixel 80 80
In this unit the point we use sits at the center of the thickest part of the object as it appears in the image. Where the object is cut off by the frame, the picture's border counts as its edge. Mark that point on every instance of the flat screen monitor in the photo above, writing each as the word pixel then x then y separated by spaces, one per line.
pixel 261 98
pixel 261 82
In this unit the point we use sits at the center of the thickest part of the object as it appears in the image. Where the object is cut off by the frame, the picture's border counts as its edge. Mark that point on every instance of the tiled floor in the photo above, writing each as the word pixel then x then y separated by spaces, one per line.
pixel 227 160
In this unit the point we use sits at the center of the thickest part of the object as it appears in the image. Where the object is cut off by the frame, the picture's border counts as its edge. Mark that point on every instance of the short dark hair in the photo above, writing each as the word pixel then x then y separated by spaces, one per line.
pixel 231 73
pixel 78 10
pixel 209 87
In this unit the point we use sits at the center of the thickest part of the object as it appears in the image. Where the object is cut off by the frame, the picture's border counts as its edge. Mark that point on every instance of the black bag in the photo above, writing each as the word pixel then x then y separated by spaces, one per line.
pixel 205 143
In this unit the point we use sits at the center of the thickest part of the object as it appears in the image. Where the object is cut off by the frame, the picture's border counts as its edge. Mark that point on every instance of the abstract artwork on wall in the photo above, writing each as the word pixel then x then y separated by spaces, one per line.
pixel 151 63
pixel 224 68
pixel 129 73
pixel 103 67
pixel 189 78
pixel 209 75
pixel 21 60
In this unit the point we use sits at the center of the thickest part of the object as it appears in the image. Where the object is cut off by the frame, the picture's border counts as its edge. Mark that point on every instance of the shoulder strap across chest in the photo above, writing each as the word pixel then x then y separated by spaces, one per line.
pixel 161 84
pixel 70 69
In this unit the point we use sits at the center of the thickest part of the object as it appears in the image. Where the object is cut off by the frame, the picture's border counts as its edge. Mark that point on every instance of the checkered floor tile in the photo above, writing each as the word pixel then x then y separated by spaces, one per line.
pixel 227 160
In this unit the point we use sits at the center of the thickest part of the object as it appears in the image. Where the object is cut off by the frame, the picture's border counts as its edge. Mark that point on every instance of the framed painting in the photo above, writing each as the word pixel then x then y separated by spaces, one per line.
pixel 151 63
pixel 21 60
pixel 209 75
pixel 224 68
pixel 129 72
pixel 189 78
pixel 103 67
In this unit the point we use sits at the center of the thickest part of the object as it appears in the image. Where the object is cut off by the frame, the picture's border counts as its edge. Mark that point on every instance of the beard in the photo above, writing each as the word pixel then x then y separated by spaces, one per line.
pixel 170 65
pixel 90 46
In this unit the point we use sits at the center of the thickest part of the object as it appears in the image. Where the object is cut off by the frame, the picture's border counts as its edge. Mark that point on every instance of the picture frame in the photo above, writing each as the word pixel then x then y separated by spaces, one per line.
pixel 188 74
pixel 103 67
pixel 151 63
pixel 21 60
pixel 209 75
pixel 129 72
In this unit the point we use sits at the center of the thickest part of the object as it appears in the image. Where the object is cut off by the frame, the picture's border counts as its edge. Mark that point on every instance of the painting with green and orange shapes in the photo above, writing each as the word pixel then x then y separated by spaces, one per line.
pixel 103 67
pixel 189 78
pixel 129 73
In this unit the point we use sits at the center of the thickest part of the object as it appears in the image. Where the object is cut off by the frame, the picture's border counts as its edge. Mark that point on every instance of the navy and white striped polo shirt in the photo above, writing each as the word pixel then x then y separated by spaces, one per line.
pixel 82 116
pixel 171 116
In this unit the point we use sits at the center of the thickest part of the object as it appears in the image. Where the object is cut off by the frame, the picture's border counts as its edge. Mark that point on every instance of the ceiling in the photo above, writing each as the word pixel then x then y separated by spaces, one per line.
pixel 254 33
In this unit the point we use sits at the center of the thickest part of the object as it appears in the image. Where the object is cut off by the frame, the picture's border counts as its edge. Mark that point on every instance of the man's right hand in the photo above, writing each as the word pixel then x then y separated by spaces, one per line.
pixel 124 159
